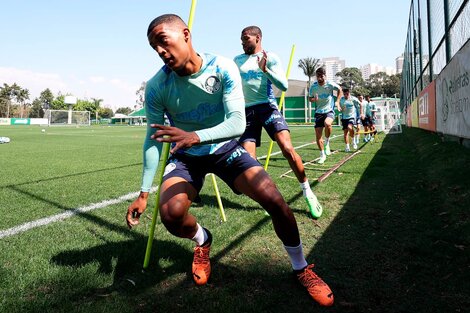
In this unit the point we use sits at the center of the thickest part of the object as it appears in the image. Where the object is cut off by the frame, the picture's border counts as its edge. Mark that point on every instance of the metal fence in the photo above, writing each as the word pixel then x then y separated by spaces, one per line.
pixel 437 29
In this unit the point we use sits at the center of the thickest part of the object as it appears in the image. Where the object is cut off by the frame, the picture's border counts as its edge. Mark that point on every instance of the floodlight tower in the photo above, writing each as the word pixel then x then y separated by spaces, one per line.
pixel 70 100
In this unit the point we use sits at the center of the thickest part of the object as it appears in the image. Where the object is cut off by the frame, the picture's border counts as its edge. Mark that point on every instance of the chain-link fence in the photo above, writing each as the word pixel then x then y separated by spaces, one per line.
pixel 437 29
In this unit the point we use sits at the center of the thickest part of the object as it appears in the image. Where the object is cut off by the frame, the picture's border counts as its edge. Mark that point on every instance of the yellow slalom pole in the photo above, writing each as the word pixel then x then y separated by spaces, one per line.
pixel 281 102
pixel 163 159
pixel 219 200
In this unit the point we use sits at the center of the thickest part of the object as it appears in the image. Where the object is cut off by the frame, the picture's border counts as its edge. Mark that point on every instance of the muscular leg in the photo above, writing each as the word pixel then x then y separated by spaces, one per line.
pixel 175 199
pixel 250 147
pixel 295 161
pixel 256 184
pixel 328 127
pixel 318 136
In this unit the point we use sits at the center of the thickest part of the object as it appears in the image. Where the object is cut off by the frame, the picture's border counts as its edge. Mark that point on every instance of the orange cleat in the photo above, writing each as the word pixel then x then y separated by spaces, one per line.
pixel 316 287
pixel 201 262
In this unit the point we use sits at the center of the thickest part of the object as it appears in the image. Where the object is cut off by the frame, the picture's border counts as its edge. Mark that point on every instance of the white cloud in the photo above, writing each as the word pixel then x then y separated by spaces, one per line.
pixel 35 82
pixel 115 92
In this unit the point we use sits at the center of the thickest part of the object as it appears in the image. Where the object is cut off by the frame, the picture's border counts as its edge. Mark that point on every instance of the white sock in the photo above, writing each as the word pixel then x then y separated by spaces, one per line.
pixel 347 146
pixel 201 235
pixel 296 256
pixel 322 153
pixel 305 187
pixel 327 141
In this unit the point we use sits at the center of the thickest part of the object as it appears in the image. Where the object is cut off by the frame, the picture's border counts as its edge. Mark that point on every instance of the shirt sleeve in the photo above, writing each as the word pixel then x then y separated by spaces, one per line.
pixel 234 105
pixel 152 148
pixel 275 72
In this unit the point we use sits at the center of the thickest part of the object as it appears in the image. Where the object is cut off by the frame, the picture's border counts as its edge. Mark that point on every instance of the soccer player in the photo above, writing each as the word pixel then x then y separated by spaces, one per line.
pixel 365 120
pixel 348 106
pixel 321 94
pixel 356 139
pixel 372 107
pixel 260 70
pixel 202 96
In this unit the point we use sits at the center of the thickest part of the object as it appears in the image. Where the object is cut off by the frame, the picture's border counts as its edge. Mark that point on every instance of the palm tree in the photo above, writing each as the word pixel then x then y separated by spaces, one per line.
pixel 97 103
pixel 309 65
pixel 21 96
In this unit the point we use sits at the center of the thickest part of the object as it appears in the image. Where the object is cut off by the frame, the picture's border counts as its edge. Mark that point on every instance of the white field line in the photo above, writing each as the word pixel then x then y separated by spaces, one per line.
pixel 297 147
pixel 62 216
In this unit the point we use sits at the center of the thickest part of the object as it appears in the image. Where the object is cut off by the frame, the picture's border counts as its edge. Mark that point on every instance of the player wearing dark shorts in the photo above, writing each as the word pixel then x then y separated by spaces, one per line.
pixel 202 96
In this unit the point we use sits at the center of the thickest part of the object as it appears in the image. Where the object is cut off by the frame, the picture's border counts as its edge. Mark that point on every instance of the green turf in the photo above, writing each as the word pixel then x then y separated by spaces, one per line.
pixel 393 238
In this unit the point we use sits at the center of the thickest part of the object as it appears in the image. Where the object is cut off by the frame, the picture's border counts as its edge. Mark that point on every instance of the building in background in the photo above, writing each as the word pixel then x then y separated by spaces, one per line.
pixel 372 68
pixel 399 63
pixel 332 66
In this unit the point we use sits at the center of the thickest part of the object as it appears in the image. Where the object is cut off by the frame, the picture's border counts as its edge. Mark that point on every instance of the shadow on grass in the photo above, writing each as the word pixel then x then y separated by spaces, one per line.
pixel 400 244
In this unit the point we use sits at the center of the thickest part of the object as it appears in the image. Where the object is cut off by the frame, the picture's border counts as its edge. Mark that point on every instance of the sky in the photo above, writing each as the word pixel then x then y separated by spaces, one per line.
pixel 98 48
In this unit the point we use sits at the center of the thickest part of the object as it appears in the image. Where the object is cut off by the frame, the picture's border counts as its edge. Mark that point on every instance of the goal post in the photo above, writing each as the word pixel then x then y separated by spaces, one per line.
pixel 67 118
pixel 388 116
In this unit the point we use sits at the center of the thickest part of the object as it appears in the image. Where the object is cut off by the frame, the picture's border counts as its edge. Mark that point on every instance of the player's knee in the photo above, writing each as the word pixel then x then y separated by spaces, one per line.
pixel 172 213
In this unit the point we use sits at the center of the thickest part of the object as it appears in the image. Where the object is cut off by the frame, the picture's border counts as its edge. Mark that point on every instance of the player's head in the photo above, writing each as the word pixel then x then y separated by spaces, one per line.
pixel 346 92
pixel 169 35
pixel 360 97
pixel 321 75
pixel 251 39
pixel 368 98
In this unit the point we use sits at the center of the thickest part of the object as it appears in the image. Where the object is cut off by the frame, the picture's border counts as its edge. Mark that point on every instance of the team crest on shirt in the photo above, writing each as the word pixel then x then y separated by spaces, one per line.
pixel 212 84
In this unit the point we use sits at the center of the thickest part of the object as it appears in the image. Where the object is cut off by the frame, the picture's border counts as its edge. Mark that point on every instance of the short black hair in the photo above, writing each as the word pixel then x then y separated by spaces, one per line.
pixel 165 18
pixel 253 30
pixel 345 89
pixel 320 71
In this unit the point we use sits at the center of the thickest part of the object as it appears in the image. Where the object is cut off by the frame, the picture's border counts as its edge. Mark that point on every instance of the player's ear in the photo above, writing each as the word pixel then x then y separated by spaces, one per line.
pixel 186 34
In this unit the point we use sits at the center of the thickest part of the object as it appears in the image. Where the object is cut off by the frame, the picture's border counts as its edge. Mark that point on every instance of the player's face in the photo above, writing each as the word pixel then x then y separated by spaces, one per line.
pixel 360 98
pixel 346 94
pixel 249 42
pixel 321 78
pixel 171 44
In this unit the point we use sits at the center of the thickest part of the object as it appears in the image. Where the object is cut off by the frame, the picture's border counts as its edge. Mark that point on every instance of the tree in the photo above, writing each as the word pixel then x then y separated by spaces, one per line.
pixel 37 110
pixel 21 96
pixel 97 104
pixel 351 77
pixel 106 112
pixel 140 93
pixel 309 65
pixel 46 97
pixel 6 94
pixel 124 111
pixel 391 86
pixel 376 82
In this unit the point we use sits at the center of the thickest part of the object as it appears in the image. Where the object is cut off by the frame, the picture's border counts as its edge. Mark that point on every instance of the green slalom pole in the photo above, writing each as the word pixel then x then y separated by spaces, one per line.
pixel 164 158
pixel 281 102
pixel 165 153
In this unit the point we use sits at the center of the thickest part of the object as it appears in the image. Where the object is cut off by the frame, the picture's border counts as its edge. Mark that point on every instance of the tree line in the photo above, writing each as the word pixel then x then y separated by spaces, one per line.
pixel 379 84
pixel 15 102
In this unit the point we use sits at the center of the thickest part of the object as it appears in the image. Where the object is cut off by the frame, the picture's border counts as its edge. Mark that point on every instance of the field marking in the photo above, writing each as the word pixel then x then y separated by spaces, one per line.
pixel 297 147
pixel 62 216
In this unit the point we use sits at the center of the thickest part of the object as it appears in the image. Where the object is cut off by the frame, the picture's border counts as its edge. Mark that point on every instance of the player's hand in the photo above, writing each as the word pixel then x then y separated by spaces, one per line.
pixel 135 210
pixel 314 98
pixel 181 138
pixel 262 61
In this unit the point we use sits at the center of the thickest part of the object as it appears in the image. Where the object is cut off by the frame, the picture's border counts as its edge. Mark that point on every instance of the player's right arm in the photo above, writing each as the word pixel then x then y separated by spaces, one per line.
pixel 151 155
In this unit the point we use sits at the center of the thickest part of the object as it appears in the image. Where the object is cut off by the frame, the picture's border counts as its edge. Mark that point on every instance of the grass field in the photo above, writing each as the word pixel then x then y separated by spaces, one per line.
pixel 394 235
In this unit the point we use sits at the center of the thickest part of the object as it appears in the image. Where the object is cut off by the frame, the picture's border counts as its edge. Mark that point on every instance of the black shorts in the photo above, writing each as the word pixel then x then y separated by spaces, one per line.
pixel 347 121
pixel 321 117
pixel 259 116
pixel 228 162
pixel 366 121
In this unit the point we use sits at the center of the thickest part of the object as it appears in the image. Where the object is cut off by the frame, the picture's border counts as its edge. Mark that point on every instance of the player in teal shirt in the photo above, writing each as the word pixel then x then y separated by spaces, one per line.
pixel 370 113
pixel 348 106
pixel 260 70
pixel 321 95
pixel 202 96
